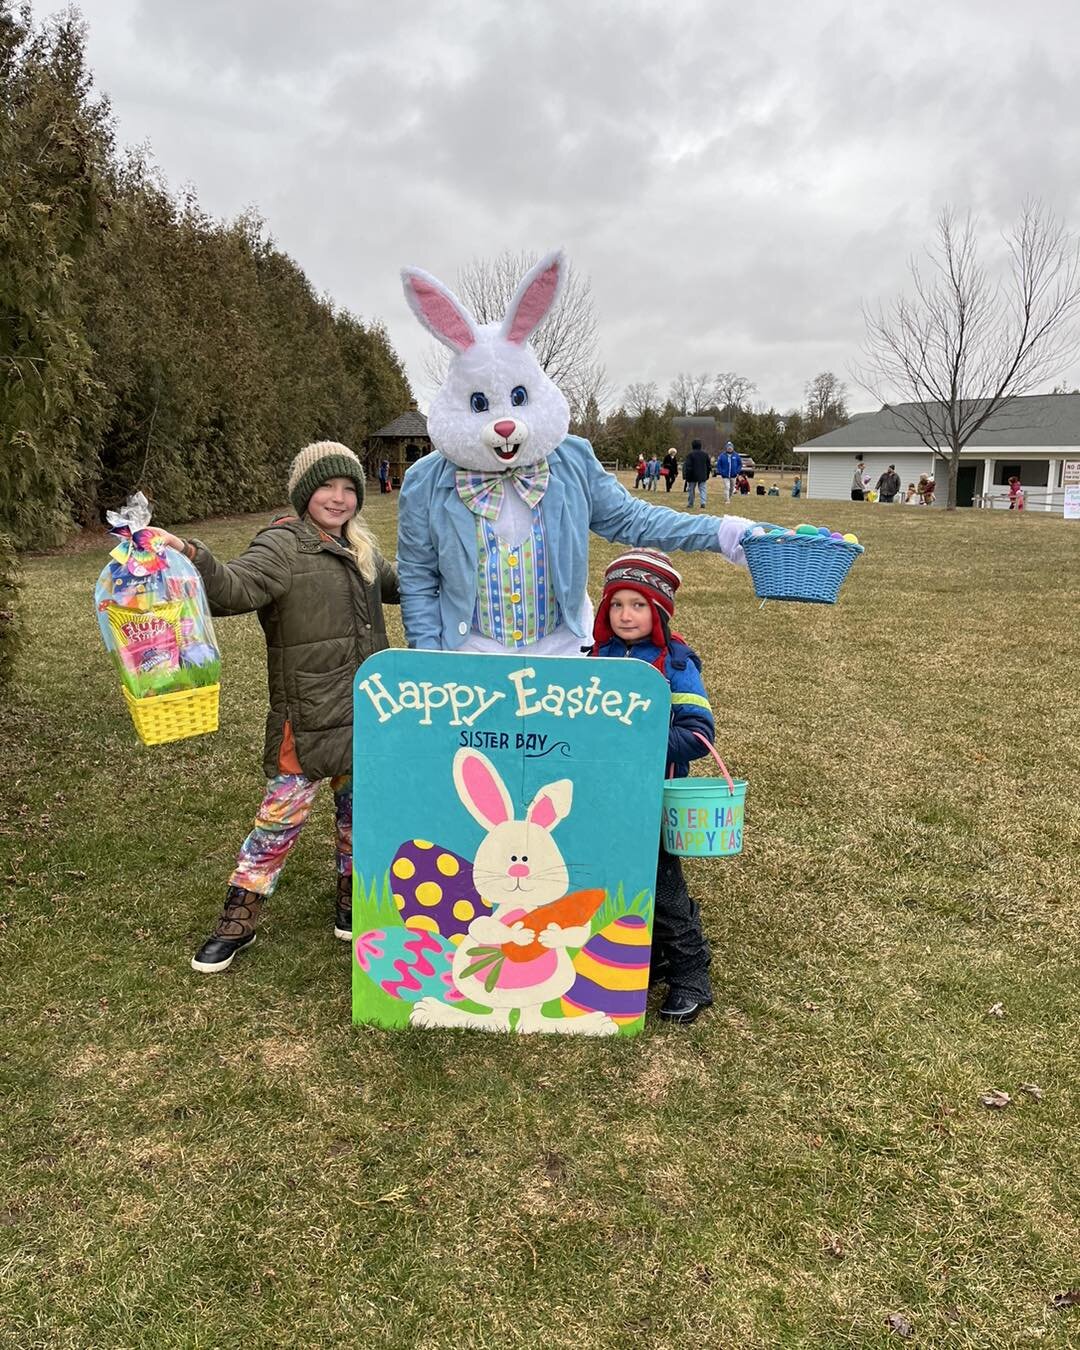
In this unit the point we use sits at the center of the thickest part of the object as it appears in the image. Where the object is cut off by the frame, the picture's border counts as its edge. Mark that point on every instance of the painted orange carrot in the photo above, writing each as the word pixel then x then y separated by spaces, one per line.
pixel 570 912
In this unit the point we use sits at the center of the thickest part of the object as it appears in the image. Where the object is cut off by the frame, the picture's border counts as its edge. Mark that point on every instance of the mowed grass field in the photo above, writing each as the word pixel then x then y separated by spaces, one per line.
pixel 226 1161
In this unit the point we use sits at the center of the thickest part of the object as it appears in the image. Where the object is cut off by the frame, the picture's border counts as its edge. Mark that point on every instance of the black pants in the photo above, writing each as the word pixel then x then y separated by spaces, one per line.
pixel 679 947
pixel 887 497
pixel 856 494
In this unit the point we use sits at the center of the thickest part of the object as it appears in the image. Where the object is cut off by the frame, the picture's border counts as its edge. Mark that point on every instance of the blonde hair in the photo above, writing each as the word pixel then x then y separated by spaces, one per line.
pixel 362 545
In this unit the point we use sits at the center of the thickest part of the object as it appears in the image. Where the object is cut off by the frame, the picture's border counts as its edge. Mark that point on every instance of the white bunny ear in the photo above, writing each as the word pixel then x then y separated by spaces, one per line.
pixel 438 309
pixel 551 804
pixel 534 298
pixel 481 789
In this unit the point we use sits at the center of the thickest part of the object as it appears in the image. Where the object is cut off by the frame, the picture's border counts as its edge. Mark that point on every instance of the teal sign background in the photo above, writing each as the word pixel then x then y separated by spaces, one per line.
pixel 582 742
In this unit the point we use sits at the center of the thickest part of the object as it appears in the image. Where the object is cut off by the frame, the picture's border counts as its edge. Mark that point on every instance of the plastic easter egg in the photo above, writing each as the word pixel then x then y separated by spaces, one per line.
pixel 824 531
pixel 851 538
pixel 433 889
pixel 612 972
pixel 806 531
pixel 836 535
pixel 757 532
pixel 407 964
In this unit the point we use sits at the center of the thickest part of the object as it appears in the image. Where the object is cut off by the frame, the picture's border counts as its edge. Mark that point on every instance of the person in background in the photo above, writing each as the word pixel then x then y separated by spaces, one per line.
pixel 728 467
pixel 1016 494
pixel 384 476
pixel 860 481
pixel 911 496
pixel 773 491
pixel 695 472
pixel 925 489
pixel 796 487
pixel 742 484
pixel 669 469
pixel 888 485
pixel 642 469
pixel 652 474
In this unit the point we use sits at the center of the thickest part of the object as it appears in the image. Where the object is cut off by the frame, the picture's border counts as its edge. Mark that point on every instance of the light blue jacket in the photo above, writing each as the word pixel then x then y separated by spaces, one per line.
pixel 437 539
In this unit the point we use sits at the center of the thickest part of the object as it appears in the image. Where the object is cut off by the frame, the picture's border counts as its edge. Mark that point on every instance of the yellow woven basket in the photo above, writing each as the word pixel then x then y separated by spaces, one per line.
pixel 175 717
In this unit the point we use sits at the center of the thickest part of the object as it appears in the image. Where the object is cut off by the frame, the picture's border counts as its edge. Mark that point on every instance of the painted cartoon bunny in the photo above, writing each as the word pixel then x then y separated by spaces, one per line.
pixel 518 868
pixel 493 528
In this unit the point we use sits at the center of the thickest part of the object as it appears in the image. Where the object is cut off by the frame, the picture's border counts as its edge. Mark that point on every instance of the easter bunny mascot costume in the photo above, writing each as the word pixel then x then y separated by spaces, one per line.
pixel 493 527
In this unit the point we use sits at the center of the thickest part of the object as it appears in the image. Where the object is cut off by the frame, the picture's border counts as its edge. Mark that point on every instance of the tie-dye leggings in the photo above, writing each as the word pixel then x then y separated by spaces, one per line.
pixel 286 806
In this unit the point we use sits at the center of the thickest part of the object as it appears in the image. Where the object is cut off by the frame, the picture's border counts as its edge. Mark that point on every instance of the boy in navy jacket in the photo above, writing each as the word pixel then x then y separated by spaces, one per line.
pixel 633 619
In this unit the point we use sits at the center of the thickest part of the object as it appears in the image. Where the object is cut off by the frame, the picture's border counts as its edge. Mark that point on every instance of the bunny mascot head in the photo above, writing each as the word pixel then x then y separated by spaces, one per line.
pixel 493 528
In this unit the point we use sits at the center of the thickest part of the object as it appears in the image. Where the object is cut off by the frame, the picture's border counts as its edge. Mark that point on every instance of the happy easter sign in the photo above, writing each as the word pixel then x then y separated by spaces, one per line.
pixel 504 840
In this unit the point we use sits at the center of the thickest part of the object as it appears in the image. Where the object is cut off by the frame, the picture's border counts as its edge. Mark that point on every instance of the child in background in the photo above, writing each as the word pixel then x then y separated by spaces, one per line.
pixel 318 583
pixel 633 619
pixel 796 487
pixel 652 475
pixel 1016 494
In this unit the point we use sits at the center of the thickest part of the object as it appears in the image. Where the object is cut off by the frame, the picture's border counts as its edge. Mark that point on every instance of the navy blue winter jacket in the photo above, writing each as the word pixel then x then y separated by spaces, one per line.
pixel 690 710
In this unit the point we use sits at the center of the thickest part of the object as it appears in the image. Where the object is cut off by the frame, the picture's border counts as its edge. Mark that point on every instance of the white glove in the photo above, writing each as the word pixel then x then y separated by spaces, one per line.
pixel 732 529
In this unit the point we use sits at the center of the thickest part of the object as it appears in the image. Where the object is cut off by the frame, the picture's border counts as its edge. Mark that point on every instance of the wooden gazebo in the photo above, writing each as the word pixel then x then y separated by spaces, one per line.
pixel 402 441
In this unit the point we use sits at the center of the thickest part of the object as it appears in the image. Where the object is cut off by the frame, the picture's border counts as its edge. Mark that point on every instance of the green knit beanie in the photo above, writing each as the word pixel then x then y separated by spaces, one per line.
pixel 317 464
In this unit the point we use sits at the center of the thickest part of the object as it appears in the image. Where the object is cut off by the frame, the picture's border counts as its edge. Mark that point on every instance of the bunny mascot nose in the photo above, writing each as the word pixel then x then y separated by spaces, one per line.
pixel 505 429
pixel 517 870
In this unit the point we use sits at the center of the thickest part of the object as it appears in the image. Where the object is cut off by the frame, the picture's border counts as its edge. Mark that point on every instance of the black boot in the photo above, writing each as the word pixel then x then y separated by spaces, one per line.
pixel 343 908
pixel 235 930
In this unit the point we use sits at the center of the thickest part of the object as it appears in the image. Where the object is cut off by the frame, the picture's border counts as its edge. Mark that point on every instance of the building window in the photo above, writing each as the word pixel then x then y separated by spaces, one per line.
pixel 1032 473
pixel 412 454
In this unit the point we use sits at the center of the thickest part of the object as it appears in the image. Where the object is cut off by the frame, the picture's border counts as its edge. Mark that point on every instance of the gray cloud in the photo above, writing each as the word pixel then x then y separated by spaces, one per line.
pixel 735 183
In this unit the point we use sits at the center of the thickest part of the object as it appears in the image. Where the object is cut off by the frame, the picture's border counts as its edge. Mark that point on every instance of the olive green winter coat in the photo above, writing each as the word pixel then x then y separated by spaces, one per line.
pixel 321 620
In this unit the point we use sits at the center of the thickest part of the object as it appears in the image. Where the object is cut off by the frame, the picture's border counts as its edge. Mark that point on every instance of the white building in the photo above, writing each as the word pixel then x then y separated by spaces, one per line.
pixel 1033 438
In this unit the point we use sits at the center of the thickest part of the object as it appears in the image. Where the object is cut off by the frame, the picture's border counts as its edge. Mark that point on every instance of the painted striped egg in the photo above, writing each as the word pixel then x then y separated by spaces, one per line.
pixel 407 964
pixel 433 889
pixel 612 972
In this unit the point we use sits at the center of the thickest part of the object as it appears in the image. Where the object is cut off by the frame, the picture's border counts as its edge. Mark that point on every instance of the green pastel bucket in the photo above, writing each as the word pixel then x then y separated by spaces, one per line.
pixel 703 817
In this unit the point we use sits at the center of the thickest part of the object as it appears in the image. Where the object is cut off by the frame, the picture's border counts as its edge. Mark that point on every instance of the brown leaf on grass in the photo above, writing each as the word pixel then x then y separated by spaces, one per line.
pixel 951 1314
pixel 899 1323
pixel 996 1010
pixel 995 1099
pixel 554 1168
pixel 1069 1299
pixel 704 1275
pixel 1032 1090
pixel 833 1245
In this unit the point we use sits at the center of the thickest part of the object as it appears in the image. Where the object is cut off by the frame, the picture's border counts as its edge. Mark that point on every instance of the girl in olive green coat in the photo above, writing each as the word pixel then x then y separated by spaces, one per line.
pixel 318 583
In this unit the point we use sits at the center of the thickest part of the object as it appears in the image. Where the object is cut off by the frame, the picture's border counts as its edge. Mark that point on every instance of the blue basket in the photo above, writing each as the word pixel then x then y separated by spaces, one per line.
pixel 798 567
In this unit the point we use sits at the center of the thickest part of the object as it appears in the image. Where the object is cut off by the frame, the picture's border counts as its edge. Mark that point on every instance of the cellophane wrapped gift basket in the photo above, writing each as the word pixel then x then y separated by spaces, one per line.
pixel 155 623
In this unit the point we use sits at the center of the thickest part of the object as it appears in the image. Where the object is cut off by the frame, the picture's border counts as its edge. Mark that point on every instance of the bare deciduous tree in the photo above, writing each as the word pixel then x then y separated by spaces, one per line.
pixel 731 393
pixel 565 343
pixel 641 398
pixel 826 400
pixel 965 345
pixel 691 394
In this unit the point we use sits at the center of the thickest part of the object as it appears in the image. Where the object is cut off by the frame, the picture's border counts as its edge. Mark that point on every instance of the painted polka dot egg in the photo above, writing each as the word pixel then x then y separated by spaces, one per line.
pixel 433 889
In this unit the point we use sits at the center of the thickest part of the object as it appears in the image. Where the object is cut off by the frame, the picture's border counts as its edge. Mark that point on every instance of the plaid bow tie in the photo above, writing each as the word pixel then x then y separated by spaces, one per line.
pixel 483 493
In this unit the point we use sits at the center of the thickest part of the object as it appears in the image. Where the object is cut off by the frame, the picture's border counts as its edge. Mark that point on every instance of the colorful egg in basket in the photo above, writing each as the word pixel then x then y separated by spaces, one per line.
pixel 804 564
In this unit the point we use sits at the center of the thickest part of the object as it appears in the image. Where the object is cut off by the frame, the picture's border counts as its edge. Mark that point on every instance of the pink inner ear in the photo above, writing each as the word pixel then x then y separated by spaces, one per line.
pixel 483 791
pixel 441 314
pixel 534 304
pixel 543 813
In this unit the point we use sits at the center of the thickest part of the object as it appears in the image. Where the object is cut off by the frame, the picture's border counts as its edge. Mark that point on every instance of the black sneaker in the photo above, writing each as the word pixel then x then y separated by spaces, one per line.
pixel 684 1008
pixel 343 908
pixel 234 931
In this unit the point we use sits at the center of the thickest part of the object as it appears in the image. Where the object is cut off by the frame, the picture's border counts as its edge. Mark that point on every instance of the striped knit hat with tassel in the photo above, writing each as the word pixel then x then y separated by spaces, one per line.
pixel 315 465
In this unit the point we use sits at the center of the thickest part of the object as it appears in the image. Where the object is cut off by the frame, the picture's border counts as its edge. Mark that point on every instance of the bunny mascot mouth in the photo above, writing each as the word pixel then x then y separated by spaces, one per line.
pixel 493 527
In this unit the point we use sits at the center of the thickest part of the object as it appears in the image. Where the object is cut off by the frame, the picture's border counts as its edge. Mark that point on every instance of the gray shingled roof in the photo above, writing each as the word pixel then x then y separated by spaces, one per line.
pixel 1036 420
pixel 411 423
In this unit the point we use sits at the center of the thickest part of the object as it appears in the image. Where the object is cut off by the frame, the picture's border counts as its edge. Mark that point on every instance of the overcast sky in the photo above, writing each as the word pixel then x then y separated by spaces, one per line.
pixel 735 180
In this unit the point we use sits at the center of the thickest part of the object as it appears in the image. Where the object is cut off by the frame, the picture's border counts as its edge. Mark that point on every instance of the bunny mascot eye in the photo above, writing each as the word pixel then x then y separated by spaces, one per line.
pixel 493 528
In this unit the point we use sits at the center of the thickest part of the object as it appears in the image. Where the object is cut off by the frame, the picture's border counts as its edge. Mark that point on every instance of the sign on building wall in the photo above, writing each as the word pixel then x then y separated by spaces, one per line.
pixel 506 815
pixel 1070 473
